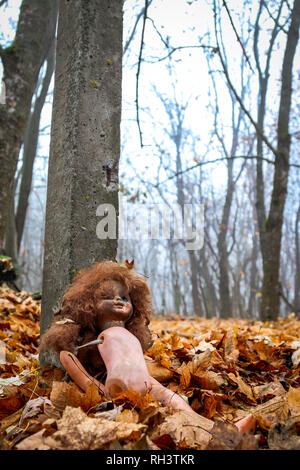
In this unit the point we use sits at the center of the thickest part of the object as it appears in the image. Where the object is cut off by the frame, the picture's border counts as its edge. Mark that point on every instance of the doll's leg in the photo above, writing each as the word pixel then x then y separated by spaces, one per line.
pixel 167 397
pixel 171 399
pixel 158 392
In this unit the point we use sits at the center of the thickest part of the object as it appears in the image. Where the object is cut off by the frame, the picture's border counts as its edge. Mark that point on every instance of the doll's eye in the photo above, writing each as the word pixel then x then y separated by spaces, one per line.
pixel 124 299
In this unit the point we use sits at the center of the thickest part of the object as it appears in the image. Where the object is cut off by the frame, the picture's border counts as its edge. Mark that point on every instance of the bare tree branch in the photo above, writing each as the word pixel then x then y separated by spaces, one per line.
pixel 274 19
pixel 292 307
pixel 158 32
pixel 138 71
pixel 245 157
pixel 236 34
pixel 141 13
pixel 174 49
pixel 238 98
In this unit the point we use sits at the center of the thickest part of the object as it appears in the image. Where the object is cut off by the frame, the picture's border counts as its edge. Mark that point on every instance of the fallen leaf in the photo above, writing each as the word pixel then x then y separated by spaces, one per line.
pixel 91 398
pixel 193 429
pixel 296 357
pixel 131 431
pixel 203 346
pixel 128 416
pixel 161 374
pixel 268 389
pixel 34 442
pixel 199 363
pixel 136 399
pixel 293 397
pixel 225 436
pixel 271 412
pixel 208 380
pixel 243 388
pixel 9 405
pixel 64 394
pixel 230 346
pixel 38 405
pixel 285 436
pixel 77 431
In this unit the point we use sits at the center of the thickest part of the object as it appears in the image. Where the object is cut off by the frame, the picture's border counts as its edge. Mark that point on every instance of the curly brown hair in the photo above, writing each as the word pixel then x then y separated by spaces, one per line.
pixel 79 309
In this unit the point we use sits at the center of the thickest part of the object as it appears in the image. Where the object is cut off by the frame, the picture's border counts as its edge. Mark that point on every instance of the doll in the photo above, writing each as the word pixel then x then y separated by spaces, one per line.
pixel 104 332
pixel 104 295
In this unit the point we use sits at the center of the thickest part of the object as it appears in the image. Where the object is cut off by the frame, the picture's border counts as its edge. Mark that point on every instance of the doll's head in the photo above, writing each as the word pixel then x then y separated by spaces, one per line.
pixel 107 294
pixel 104 295
pixel 113 304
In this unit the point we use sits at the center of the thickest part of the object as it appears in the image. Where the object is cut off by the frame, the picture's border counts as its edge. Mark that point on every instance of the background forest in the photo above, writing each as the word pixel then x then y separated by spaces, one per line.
pixel 210 115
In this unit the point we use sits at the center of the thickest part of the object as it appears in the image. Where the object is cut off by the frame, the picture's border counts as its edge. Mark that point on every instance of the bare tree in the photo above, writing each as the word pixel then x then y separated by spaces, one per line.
pixel 270 226
pixel 30 145
pixel 297 274
pixel 85 143
pixel 22 62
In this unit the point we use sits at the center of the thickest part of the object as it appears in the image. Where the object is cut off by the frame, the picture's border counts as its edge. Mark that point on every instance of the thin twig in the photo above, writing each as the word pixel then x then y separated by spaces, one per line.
pixel 158 32
pixel 199 46
pixel 141 13
pixel 245 157
pixel 274 19
pixel 236 34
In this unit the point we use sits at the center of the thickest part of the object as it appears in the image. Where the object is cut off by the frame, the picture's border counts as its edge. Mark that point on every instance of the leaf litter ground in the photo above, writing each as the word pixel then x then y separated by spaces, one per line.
pixel 225 369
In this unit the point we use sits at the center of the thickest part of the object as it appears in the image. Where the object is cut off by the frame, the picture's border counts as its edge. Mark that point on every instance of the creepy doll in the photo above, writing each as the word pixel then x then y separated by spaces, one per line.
pixel 104 295
pixel 103 332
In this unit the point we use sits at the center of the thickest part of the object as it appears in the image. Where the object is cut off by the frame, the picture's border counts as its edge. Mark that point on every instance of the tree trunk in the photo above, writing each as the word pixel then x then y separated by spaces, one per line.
pixel 260 191
pixel 21 63
pixel 10 243
pixel 30 146
pixel 273 229
pixel 209 294
pixel 297 275
pixel 253 277
pixel 85 143
pixel 225 298
pixel 197 305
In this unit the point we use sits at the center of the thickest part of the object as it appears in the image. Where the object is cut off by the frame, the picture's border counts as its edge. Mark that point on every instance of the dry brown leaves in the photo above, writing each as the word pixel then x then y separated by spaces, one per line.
pixel 226 369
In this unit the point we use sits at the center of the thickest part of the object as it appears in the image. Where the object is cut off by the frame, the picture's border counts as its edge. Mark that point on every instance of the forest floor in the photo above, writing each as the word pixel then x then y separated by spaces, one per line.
pixel 226 369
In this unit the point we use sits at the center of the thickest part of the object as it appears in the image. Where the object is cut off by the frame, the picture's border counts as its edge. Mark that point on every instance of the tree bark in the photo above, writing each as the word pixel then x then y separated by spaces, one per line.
pixel 11 231
pixel 253 277
pixel 194 263
pixel 297 275
pixel 273 227
pixel 224 292
pixel 85 143
pixel 21 63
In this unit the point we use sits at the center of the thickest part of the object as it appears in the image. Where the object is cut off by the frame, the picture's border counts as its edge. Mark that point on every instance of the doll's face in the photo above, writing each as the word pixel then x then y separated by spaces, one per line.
pixel 114 306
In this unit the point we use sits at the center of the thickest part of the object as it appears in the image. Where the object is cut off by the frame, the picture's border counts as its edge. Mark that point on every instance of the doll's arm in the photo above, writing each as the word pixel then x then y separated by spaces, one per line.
pixel 57 338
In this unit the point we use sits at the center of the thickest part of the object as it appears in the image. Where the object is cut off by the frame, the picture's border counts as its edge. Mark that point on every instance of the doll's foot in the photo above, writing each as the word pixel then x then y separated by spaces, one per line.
pixel 78 373
pixel 246 424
